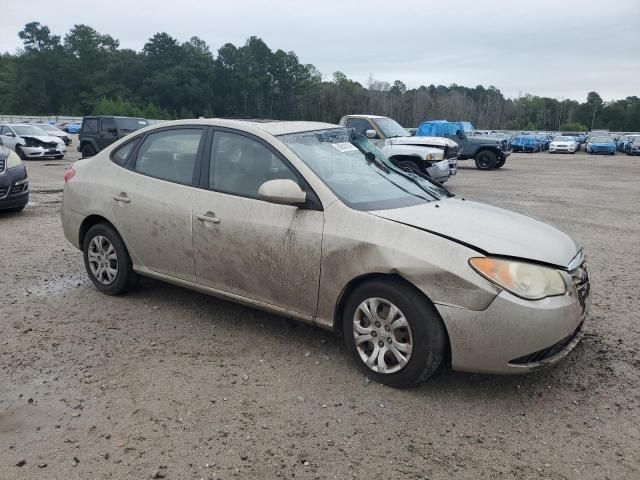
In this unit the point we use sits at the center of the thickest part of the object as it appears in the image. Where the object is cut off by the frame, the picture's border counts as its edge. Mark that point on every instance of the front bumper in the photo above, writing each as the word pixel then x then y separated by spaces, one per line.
pixel 42 152
pixel 514 335
pixel 553 149
pixel 439 171
pixel 14 188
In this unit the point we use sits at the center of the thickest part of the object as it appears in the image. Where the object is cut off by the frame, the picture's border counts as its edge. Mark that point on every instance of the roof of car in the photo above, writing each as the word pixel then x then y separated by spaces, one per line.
pixel 272 127
pixel 365 116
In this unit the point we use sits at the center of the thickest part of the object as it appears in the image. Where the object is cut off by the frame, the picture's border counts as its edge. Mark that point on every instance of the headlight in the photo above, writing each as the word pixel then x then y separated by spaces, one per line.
pixel 429 156
pixel 13 160
pixel 525 280
pixel 436 156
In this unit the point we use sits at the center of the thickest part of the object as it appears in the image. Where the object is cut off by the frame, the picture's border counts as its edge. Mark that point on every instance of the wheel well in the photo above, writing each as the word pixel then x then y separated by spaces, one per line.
pixel 356 282
pixel 89 222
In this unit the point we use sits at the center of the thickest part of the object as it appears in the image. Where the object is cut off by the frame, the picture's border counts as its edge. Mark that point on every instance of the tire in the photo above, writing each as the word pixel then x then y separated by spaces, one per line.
pixel 105 280
pixel 486 160
pixel 14 209
pixel 408 165
pixel 501 161
pixel 59 157
pixel 20 153
pixel 87 150
pixel 425 333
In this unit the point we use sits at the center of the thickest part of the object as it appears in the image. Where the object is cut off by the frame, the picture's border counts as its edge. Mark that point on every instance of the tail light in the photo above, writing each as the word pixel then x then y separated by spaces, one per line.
pixel 69 173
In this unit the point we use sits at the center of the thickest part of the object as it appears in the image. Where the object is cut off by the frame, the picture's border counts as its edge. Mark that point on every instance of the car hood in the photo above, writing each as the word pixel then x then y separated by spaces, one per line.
pixel 492 230
pixel 43 138
pixel 600 144
pixel 423 141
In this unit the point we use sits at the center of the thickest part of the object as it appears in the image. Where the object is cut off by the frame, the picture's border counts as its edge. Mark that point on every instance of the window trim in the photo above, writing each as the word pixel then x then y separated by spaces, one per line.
pixel 313 201
pixel 131 161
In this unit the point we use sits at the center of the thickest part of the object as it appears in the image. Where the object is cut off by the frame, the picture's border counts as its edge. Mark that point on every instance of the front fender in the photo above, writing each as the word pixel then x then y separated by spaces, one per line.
pixel 421 153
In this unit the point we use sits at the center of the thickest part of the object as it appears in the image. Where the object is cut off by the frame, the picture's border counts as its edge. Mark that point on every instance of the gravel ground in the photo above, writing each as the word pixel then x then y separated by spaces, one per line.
pixel 170 383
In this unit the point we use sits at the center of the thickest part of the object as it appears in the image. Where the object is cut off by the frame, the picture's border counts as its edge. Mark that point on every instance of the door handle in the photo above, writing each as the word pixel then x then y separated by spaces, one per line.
pixel 122 198
pixel 208 217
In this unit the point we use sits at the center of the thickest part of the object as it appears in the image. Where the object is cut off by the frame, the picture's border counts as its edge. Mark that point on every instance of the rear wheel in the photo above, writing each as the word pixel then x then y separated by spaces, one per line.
pixel 107 261
pixel 88 150
pixel 394 333
pixel 486 160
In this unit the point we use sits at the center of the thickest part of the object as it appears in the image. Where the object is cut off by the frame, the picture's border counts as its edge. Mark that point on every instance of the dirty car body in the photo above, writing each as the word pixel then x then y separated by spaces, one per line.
pixel 297 218
pixel 14 184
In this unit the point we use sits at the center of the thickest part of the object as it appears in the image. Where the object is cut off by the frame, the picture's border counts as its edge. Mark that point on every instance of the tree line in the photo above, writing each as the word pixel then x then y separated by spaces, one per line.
pixel 87 72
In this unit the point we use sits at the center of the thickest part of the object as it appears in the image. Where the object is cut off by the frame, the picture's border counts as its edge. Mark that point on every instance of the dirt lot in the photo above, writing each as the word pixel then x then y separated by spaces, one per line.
pixel 168 382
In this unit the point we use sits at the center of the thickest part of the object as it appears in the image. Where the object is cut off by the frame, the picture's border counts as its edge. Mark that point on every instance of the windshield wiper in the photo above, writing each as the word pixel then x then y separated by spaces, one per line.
pixel 371 158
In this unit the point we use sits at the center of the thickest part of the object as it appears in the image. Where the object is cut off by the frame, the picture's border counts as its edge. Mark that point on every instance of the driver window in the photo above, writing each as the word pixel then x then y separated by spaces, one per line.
pixel 240 165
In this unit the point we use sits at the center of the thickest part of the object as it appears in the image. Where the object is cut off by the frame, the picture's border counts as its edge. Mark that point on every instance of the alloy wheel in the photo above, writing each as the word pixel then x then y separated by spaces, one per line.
pixel 102 259
pixel 382 335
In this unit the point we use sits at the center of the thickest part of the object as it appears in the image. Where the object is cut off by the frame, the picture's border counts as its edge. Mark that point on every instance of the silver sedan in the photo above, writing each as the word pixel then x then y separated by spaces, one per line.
pixel 311 221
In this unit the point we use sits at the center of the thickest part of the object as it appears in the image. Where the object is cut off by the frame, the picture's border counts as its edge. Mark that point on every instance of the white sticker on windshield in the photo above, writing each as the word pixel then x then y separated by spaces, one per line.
pixel 344 147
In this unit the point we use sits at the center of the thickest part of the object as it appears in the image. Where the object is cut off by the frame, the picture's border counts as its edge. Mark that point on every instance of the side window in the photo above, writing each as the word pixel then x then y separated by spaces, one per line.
pixel 90 125
pixel 360 125
pixel 108 127
pixel 121 155
pixel 169 154
pixel 240 165
pixel 452 129
pixel 3 130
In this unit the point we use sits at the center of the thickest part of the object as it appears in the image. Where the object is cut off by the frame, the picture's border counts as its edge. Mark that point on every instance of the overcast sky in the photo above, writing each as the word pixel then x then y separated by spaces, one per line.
pixel 559 48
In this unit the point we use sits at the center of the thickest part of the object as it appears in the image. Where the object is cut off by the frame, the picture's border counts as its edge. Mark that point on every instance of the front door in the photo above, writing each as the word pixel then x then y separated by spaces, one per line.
pixel 248 247
pixel 108 133
pixel 9 138
pixel 152 200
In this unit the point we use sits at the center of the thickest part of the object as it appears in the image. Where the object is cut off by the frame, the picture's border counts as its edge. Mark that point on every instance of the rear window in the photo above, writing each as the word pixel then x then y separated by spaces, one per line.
pixel 131 124
pixel 90 125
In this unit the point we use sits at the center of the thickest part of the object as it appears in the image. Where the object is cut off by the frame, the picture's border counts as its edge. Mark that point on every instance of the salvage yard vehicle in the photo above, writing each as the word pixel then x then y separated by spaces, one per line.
pixel 435 156
pixel 99 132
pixel 312 221
pixel 633 147
pixel 54 132
pixel 488 151
pixel 526 143
pixel 14 183
pixel 603 144
pixel 563 144
pixel 31 142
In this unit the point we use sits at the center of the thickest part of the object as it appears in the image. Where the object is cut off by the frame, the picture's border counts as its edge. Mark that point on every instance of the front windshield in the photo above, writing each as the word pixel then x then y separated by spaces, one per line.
pixel 47 127
pixel 28 130
pixel 467 127
pixel 601 140
pixel 563 139
pixel 358 173
pixel 390 128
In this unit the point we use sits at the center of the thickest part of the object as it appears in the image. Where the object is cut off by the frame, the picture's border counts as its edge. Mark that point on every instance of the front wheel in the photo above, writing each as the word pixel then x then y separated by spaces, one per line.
pixel 486 160
pixel 21 153
pixel 394 333
pixel 59 157
pixel 107 261
pixel 501 161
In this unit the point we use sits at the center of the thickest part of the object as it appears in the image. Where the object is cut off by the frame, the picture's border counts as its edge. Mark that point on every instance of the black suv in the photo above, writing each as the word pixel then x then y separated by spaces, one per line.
pixel 99 132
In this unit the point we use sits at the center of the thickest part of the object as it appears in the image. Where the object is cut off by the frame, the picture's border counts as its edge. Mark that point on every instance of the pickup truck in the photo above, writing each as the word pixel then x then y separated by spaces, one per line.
pixel 488 151
pixel 435 157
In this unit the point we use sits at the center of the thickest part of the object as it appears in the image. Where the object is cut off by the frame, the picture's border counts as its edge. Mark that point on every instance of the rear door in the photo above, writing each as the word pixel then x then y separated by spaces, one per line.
pixel 153 198
pixel 108 132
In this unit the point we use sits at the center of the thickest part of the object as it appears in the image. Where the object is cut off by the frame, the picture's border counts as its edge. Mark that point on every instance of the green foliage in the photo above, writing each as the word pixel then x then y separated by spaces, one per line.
pixel 87 72
pixel 572 127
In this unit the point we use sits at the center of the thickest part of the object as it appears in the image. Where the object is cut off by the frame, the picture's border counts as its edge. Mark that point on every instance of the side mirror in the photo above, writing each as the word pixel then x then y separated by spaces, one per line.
pixel 283 192
pixel 10 134
pixel 371 134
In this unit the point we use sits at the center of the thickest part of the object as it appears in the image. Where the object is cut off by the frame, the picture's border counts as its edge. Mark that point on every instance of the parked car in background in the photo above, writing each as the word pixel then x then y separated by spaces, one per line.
pixel 72 127
pixel 601 145
pixel 620 144
pixel 14 183
pixel 526 143
pixel 54 132
pixel 563 144
pixel 633 146
pixel 435 157
pixel 249 211
pixel 544 140
pixel 626 146
pixel 29 141
pixel 98 132
pixel 488 151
